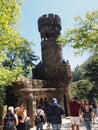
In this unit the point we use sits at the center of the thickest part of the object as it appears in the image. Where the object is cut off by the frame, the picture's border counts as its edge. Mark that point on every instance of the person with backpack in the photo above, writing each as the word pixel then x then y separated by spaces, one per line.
pixel 55 112
pixel 10 121
pixel 88 116
pixel 39 118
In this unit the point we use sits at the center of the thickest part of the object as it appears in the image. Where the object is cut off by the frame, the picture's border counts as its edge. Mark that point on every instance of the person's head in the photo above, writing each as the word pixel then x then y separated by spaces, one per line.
pixel 94 98
pixel 47 102
pixel 82 101
pixel 54 100
pixel 86 102
pixel 39 106
pixel 75 98
pixel 11 109
pixel 22 107
pixel 17 109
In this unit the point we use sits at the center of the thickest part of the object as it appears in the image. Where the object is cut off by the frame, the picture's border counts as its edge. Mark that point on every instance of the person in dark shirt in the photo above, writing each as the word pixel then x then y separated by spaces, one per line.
pixel 55 113
pixel 94 104
pixel 74 112
pixel 88 116
pixel 22 115
pixel 46 110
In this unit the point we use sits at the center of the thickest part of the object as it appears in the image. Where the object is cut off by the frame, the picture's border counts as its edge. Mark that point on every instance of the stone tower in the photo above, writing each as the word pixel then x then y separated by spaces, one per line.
pixel 51 73
pixel 49 27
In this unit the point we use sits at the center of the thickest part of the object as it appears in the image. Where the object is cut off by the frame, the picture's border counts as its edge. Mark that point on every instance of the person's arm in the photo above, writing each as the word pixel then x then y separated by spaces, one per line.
pixel 2 124
pixel 16 117
pixel 44 116
pixel 62 112
pixel 92 116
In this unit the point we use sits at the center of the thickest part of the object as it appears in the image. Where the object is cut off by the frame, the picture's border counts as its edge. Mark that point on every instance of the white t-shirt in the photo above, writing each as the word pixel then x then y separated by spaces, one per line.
pixel 39 111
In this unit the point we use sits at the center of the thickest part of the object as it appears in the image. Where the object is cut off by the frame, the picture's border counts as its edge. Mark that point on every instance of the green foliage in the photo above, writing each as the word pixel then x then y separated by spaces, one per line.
pixel 9 37
pixel 9 17
pixel 91 70
pixel 91 73
pixel 77 74
pixel 7 76
pixel 22 57
pixel 87 82
pixel 81 89
pixel 84 36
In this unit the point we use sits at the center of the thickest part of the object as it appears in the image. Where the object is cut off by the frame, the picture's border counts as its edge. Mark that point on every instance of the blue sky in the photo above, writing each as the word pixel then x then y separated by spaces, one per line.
pixel 66 9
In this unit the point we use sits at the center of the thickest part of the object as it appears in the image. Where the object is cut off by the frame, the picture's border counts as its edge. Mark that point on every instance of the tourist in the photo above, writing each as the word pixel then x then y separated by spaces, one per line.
pixel 39 118
pixel 74 112
pixel 22 115
pixel 46 109
pixel 94 105
pixel 55 113
pixel 10 121
pixel 67 62
pixel 88 116
pixel 82 106
pixel 64 62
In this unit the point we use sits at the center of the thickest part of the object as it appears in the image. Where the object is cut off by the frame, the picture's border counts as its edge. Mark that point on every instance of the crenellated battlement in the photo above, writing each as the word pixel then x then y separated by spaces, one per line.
pixel 49 26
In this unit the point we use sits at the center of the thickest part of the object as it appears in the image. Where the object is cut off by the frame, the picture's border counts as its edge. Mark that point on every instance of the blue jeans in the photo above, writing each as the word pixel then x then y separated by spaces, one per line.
pixel 39 126
pixel 88 124
pixel 95 111
pixel 56 126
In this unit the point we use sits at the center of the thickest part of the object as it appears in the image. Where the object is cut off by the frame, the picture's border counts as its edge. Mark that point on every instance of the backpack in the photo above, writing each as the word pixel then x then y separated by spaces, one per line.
pixel 37 118
pixel 9 122
pixel 56 112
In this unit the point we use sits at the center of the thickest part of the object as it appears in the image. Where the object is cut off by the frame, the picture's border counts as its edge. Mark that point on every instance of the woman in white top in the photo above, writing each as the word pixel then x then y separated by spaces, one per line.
pixel 39 118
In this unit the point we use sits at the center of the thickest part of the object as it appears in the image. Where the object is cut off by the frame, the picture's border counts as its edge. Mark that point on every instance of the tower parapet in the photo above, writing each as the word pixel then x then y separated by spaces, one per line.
pixel 49 26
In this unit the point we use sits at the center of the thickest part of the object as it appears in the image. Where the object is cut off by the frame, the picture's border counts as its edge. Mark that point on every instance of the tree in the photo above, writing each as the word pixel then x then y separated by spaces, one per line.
pixel 9 37
pixel 76 74
pixel 9 17
pixel 22 57
pixel 91 72
pixel 85 35
pixel 81 89
pixel 85 78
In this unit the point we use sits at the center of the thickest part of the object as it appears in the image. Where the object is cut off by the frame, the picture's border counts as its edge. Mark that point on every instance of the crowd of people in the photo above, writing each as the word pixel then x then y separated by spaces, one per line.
pixel 52 115
pixel 16 119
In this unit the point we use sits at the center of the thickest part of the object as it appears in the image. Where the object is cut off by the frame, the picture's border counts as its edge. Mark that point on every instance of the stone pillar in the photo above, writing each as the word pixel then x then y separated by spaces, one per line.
pixel 33 110
pixel 28 98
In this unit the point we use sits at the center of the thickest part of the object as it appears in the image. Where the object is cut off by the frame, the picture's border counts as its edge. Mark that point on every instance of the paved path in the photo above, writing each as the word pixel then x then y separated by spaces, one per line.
pixel 67 126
